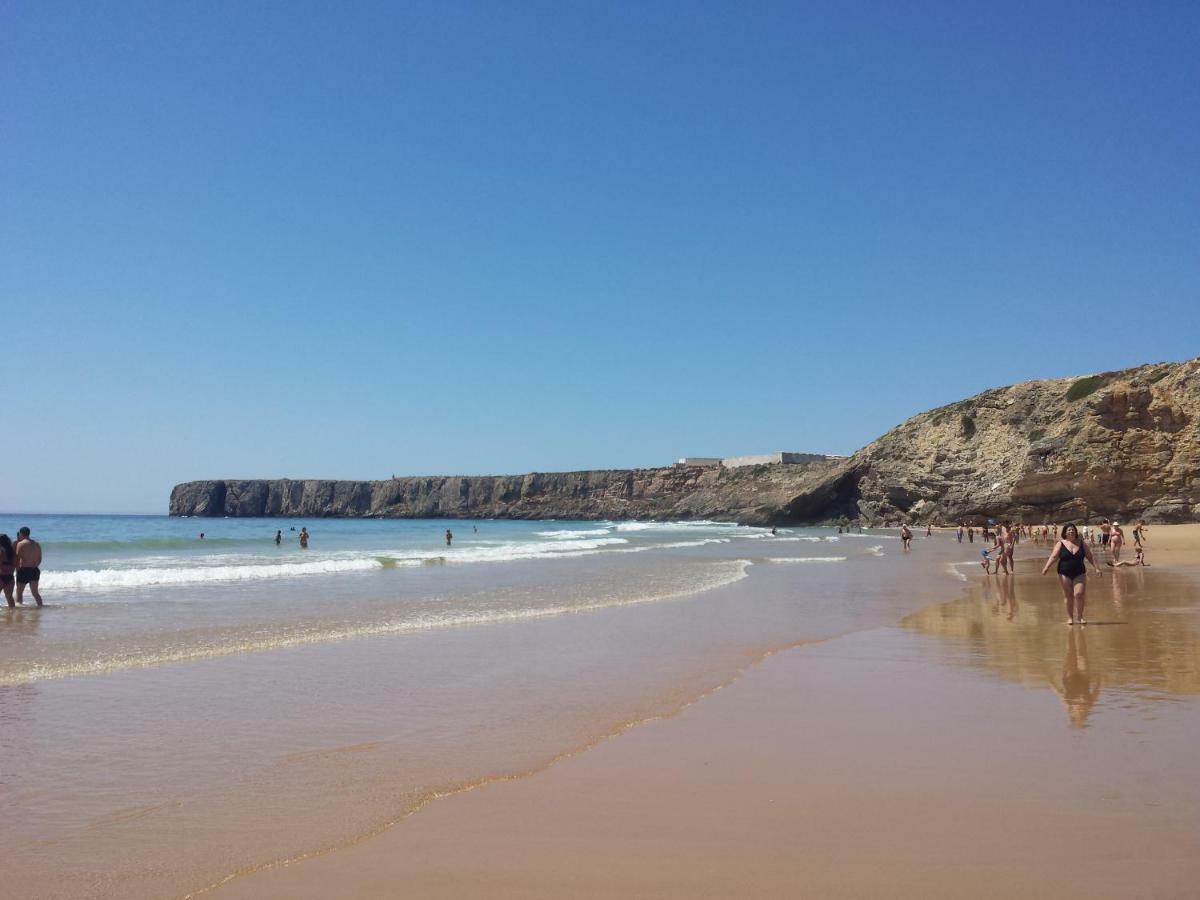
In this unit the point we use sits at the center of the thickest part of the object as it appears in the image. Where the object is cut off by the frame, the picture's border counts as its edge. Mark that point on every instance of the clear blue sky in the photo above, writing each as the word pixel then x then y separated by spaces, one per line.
pixel 351 240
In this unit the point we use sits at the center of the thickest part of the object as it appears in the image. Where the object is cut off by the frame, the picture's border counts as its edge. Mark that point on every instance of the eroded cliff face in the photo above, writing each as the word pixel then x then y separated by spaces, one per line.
pixel 1123 444
pixel 745 495
pixel 1118 444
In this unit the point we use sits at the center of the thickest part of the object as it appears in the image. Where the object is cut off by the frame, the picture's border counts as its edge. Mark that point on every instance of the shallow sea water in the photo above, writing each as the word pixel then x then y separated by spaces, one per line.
pixel 157 739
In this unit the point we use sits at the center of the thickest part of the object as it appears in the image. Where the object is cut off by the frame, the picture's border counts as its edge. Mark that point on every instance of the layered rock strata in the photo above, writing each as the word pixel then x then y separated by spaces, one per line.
pixel 1121 444
pixel 677 492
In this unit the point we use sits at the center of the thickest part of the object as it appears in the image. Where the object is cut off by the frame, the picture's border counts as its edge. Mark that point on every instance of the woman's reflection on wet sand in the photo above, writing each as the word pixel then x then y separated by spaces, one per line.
pixel 1139 650
pixel 1080 687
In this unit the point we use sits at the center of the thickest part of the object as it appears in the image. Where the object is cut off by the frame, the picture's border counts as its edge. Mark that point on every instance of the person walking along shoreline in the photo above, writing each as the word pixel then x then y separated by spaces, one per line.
pixel 1070 552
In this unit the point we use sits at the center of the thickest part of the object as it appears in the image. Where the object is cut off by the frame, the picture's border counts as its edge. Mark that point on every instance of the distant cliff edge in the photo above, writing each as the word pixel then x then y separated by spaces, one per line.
pixel 751 495
pixel 1123 443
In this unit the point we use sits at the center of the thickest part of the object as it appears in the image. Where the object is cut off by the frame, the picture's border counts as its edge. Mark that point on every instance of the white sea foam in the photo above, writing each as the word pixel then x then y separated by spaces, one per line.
pixel 514 550
pixel 166 570
pixel 876 550
pixel 727 572
pixel 232 568
pixel 672 545
pixel 806 559
pixel 953 569
pixel 110 579
pixel 673 526
pixel 567 534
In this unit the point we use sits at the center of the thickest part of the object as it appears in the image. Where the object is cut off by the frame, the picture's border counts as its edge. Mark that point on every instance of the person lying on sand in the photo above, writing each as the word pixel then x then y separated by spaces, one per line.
pixel 1140 560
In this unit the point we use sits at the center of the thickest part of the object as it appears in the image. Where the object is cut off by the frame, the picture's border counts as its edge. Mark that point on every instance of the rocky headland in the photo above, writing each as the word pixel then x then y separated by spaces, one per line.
pixel 1123 443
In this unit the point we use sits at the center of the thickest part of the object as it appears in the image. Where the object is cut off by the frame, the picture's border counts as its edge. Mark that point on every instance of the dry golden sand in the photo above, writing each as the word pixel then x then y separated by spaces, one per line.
pixel 980 749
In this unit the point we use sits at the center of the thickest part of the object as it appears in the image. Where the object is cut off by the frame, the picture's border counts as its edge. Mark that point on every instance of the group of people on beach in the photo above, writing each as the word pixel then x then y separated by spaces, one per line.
pixel 1072 548
pixel 20 563
pixel 1108 535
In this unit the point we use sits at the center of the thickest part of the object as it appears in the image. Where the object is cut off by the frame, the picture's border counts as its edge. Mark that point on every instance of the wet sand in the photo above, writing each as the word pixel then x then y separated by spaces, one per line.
pixel 979 747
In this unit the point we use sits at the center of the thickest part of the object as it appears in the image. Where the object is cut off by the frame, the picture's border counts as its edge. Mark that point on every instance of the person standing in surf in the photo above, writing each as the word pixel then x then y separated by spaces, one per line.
pixel 29 560
pixel 1010 538
pixel 1070 551
pixel 905 538
pixel 8 565
pixel 1000 550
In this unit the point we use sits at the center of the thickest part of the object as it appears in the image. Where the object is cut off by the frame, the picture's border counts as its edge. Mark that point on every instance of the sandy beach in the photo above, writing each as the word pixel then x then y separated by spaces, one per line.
pixel 518 450
pixel 976 747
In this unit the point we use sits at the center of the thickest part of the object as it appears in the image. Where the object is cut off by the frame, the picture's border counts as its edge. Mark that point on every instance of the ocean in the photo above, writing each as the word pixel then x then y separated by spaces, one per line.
pixel 183 710
pixel 137 591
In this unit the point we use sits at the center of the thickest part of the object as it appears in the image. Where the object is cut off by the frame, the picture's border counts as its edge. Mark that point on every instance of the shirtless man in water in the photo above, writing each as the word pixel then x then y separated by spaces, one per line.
pixel 29 558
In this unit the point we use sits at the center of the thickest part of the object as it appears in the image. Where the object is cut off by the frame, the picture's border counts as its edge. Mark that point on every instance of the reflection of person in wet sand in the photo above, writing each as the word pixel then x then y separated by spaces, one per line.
pixel 1008 597
pixel 1080 688
pixel 1070 552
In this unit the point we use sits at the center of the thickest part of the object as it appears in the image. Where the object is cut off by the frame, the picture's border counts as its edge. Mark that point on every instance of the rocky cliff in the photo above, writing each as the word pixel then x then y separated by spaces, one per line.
pixel 745 495
pixel 1123 444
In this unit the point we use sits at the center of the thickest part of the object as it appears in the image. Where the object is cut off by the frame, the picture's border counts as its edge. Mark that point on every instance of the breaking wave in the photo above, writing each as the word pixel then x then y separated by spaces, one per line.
pixel 235 569
pixel 725 573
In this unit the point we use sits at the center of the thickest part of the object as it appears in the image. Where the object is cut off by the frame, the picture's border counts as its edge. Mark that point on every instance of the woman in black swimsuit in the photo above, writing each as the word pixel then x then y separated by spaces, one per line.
pixel 1070 552
pixel 8 561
